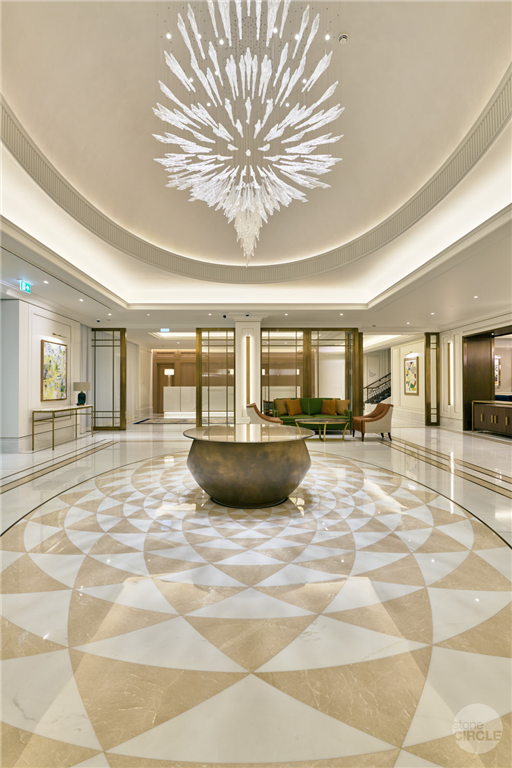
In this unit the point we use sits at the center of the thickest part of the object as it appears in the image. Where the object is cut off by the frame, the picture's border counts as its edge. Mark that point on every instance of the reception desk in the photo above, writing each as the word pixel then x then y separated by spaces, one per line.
pixel 492 416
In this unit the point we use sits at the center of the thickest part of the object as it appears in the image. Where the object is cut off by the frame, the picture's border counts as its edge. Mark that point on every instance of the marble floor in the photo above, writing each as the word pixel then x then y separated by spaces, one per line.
pixel 353 626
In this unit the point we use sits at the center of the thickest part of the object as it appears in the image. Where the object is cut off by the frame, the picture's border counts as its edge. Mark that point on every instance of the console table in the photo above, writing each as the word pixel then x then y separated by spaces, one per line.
pixel 492 416
pixel 50 415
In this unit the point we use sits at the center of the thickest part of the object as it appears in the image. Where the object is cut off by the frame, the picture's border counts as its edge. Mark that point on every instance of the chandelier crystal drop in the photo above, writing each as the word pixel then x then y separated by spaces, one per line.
pixel 255 145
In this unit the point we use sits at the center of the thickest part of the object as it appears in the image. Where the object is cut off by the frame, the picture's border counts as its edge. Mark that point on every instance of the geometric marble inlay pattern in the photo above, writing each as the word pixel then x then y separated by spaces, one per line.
pixel 145 626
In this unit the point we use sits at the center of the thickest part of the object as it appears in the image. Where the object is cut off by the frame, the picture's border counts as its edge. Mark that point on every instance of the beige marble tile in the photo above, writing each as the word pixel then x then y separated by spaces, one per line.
pixel 25 576
pixel 375 760
pixel 378 697
pixel 408 617
pixel 404 571
pixel 492 637
pixel 311 597
pixel 17 642
pixel 58 544
pixel 22 749
pixel 160 566
pixel 109 546
pixel 440 542
pixel 92 619
pixel 484 537
pixel 186 598
pixel 249 574
pixel 113 691
pixel 447 752
pixel 251 642
pixel 96 574
pixel 13 540
pixel 474 573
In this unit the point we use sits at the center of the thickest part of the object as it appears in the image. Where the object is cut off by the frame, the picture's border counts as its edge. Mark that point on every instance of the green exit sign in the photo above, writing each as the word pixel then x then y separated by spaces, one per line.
pixel 24 286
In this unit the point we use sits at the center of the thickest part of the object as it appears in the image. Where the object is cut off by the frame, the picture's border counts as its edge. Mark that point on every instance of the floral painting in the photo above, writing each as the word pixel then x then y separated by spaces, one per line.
pixel 411 376
pixel 54 371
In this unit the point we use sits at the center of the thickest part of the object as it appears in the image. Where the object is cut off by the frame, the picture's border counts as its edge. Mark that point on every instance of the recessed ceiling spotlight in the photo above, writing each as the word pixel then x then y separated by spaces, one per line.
pixel 304 80
pixel 286 314
pixel 148 314
pixel 168 35
pixel 45 282
pixel 297 37
pixel 221 41
pixel 475 297
pixel 80 299
pixel 327 37
pixel 431 313
pixel 209 314
pixel 199 37
pixel 341 314
pixel 208 103
pixel 191 79
pixel 287 104
pixel 110 314
pixel 275 30
pixel 408 323
pixel 343 38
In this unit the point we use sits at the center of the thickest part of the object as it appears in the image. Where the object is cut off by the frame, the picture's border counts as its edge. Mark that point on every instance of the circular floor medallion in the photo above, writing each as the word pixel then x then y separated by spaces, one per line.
pixel 146 626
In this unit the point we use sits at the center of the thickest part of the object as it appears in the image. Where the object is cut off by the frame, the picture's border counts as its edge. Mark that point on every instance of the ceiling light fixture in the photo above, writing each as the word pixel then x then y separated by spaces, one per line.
pixel 168 35
pixel 408 323
pixel 327 37
pixel 475 297
pixel 110 314
pixel 341 314
pixel 286 314
pixel 80 299
pixel 45 282
pixel 431 313
pixel 209 160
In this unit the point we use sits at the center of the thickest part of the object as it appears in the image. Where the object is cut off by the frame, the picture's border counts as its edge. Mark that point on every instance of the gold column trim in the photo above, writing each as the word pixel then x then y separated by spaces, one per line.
pixel 247 370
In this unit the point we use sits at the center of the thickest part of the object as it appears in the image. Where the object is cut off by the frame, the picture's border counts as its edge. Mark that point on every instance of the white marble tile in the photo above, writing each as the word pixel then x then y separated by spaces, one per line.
pixel 238 725
pixel 171 644
pixel 359 591
pixel 456 679
pixel 435 565
pixel 42 613
pixel 63 568
pixel 141 593
pixel 251 604
pixel 331 643
pixel 44 699
pixel 456 610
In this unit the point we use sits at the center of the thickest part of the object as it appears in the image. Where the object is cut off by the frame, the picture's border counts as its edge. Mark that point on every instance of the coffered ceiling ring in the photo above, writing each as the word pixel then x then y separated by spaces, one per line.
pixel 489 125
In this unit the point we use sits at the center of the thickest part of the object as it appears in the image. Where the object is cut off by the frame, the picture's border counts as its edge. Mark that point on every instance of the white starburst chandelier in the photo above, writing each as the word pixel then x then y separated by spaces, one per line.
pixel 248 134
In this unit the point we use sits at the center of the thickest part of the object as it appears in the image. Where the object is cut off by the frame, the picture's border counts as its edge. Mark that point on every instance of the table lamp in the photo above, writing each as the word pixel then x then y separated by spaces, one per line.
pixel 81 387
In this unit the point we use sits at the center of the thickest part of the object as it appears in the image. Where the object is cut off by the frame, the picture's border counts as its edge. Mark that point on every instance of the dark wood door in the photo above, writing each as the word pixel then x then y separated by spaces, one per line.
pixel 478 374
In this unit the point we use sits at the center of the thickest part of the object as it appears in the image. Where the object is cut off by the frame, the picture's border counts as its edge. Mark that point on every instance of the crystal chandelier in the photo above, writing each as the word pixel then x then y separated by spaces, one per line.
pixel 249 153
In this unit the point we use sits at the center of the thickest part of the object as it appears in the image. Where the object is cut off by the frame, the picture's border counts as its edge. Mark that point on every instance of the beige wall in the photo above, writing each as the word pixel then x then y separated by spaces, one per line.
pixel 409 407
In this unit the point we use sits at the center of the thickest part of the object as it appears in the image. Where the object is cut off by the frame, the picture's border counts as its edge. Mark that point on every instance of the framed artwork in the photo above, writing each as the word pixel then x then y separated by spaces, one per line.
pixel 497 371
pixel 411 375
pixel 54 370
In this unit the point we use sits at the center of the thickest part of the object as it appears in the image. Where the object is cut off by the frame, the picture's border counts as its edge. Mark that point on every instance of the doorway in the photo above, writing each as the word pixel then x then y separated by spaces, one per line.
pixel 174 382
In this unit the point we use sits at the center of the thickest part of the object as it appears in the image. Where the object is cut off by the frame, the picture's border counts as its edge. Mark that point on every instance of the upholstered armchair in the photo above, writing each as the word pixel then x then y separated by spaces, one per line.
pixel 378 421
pixel 257 417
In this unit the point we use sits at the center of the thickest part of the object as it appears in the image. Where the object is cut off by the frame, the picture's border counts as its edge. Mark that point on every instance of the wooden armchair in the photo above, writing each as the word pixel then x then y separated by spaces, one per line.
pixel 257 417
pixel 378 421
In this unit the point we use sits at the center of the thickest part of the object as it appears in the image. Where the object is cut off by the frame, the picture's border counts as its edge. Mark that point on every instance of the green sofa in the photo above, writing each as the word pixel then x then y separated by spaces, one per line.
pixel 312 409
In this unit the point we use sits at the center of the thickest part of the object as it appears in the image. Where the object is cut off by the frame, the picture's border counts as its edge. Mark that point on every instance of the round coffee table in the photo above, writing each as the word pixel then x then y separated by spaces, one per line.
pixel 319 423
pixel 249 465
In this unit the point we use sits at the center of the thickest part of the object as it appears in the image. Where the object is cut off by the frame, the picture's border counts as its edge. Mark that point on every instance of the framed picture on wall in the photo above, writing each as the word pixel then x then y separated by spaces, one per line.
pixel 497 371
pixel 54 370
pixel 411 375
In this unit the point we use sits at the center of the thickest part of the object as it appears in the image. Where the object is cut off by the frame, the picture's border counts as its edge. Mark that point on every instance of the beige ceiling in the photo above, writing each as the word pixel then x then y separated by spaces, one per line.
pixel 82 79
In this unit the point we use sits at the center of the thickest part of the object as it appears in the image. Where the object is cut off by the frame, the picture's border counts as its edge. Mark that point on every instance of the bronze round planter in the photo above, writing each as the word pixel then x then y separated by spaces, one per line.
pixel 258 471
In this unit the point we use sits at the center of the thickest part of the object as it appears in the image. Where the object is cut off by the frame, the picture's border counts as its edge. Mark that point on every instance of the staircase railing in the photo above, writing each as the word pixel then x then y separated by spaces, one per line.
pixel 378 390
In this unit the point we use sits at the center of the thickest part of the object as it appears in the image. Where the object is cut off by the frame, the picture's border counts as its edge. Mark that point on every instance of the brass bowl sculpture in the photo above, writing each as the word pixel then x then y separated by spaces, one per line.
pixel 248 466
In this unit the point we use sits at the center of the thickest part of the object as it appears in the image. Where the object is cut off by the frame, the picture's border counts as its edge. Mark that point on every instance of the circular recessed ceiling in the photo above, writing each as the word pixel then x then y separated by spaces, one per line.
pixel 89 110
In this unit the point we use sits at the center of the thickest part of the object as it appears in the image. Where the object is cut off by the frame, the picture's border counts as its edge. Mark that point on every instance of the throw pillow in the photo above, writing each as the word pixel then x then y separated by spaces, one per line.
pixel 341 406
pixel 294 407
pixel 328 407
pixel 280 407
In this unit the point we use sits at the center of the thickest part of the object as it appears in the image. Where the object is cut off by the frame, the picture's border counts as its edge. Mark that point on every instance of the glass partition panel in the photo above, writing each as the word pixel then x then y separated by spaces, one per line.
pixel 109 378
pixel 216 364
pixel 328 363
pixel 282 365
